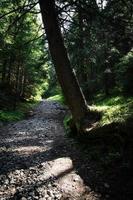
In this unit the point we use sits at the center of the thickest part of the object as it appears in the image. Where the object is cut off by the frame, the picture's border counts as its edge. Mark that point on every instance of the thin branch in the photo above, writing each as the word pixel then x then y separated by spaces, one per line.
pixel 18 9
pixel 34 39
pixel 19 17
pixel 36 36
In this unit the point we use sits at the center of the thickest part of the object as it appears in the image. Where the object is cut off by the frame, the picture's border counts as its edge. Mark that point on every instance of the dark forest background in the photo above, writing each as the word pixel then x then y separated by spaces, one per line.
pixel 97 36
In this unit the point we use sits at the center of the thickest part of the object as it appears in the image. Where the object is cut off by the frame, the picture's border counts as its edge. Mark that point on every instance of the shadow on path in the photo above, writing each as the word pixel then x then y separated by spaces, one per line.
pixel 37 153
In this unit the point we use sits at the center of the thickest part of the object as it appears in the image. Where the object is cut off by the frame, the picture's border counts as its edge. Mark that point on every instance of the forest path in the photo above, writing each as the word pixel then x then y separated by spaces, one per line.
pixel 37 160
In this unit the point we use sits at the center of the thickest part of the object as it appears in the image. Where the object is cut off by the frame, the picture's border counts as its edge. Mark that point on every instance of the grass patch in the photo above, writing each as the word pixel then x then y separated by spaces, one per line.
pixel 114 109
pixel 9 116
pixel 59 98
pixel 19 113
pixel 54 93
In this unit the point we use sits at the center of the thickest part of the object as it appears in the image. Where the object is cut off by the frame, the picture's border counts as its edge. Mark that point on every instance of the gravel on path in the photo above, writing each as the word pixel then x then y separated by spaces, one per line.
pixel 37 159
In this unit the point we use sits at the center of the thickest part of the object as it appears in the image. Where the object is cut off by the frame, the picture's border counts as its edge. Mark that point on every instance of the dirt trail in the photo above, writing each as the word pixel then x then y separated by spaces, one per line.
pixel 37 161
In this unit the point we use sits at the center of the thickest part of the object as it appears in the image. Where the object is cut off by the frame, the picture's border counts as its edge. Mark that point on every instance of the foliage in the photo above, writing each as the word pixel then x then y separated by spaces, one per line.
pixel 124 71
pixel 66 122
pixel 8 116
pixel 24 58
pixel 104 33
pixel 19 113
pixel 59 98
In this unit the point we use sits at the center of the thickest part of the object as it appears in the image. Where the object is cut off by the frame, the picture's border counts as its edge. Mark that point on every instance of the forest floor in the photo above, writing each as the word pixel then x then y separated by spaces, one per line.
pixel 38 161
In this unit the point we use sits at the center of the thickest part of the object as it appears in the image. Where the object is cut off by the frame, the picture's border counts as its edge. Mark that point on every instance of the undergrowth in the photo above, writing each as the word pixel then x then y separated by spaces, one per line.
pixel 7 115
pixel 59 98
pixel 114 108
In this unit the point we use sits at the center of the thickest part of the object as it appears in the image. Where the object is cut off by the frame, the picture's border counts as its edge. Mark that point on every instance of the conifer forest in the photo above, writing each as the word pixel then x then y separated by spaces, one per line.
pixel 66 100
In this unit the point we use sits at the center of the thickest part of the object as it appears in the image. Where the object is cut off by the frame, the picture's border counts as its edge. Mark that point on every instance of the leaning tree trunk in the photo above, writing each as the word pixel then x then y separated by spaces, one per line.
pixel 65 74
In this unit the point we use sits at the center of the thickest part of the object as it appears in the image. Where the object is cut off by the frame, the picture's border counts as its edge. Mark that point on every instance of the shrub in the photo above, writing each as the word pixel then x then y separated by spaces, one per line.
pixel 124 73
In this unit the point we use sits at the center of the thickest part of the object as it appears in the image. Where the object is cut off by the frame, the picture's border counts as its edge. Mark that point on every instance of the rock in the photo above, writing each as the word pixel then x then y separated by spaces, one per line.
pixel 49 192
pixel 6 181
pixel 76 179
pixel 1 124
pixel 23 198
pixel 106 185
pixel 87 189
pixel 36 197
pixel 99 195
pixel 107 196
pixel 21 173
pixel 29 198
pixel 31 194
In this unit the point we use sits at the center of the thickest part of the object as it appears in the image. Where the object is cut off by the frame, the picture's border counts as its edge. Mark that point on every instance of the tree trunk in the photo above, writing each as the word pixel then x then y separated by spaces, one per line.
pixel 4 72
pixel 10 69
pixel 66 76
pixel 16 86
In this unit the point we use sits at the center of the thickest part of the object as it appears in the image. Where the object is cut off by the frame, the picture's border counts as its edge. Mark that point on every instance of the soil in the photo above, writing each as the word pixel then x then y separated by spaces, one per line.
pixel 39 162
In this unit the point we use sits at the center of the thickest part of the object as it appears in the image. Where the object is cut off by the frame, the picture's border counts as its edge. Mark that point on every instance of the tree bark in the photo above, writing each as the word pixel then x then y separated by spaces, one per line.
pixel 16 86
pixel 65 74
pixel 4 69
